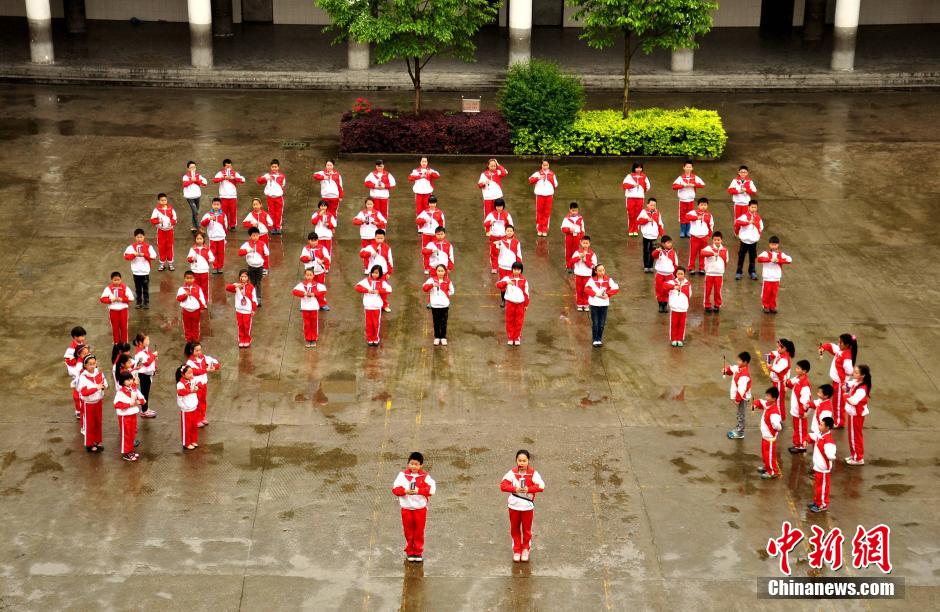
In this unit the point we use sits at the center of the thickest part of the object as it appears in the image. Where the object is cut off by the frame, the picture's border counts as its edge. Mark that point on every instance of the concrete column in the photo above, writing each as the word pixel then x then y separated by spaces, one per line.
pixel 520 31
pixel 844 34
pixel 200 32
pixel 222 18
pixel 814 19
pixel 357 55
pixel 75 16
pixel 683 60
pixel 39 15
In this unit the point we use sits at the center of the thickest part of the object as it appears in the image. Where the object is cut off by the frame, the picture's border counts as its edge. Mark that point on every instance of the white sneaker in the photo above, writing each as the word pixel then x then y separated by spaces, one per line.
pixel 444 341
pixel 851 461
pixel 525 556
pixel 596 343
pixel 509 342
pixel 517 342
pixel 516 557
pixel 437 342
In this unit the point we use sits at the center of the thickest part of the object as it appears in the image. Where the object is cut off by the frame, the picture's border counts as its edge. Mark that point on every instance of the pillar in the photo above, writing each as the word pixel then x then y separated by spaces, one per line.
pixel 75 16
pixel 844 34
pixel 200 32
pixel 357 55
pixel 814 19
pixel 682 60
pixel 520 31
pixel 222 18
pixel 39 15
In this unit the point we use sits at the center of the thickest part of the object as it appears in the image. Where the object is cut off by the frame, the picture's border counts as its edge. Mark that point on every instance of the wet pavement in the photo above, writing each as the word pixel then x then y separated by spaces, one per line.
pixel 287 504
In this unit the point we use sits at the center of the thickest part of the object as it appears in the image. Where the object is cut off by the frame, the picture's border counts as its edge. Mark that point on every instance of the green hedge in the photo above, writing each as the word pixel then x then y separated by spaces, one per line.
pixel 539 97
pixel 687 132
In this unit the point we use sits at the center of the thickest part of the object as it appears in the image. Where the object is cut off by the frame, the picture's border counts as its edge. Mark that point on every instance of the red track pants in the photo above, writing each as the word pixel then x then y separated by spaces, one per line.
pixel 634 208
pixel 856 436
pixel 373 325
pixel 580 297
pixel 421 202
pixel 713 290
pixel 768 451
pixel 381 205
pixel 165 244
pixel 515 318
pixel 118 325
pixel 218 251
pixel 520 529
pixel 230 208
pixel 311 324
pixel 768 294
pixel 332 205
pixel 821 498
pixel 543 212
pixel 800 435
pixel 127 425
pixel 413 521
pixel 677 326
pixel 191 325
pixel 276 210
pixel 243 323
pixel 696 259
pixel 92 424
pixel 189 433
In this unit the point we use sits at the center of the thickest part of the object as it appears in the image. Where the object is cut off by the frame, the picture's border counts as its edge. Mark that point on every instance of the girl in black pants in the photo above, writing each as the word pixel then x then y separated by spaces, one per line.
pixel 439 289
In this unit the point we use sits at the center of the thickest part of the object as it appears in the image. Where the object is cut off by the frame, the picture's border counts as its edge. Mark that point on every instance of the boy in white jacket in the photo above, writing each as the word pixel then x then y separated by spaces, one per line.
pixel 414 488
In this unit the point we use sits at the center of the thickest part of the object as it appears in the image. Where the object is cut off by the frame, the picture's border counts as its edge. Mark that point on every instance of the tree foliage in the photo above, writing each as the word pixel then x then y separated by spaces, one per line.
pixel 539 97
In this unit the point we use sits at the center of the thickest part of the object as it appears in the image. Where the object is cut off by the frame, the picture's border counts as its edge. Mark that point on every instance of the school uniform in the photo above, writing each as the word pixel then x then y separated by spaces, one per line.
pixel 800 402
pixel 582 263
pixel 665 263
pixel 310 307
pixel 215 224
pixel 715 262
pixel 680 294
pixel 368 222
pixel 824 453
pixel 140 255
pixel 516 293
pixel 595 288
pixel 742 191
pixel 92 397
pixel 192 302
pixel 439 292
pixel 521 505
pixel 319 260
pixel 372 304
pixel 255 254
pixel 331 189
pixel 572 226
pixel 164 219
pixel 495 225
pixel 546 182
pixel 821 410
pixel 651 229
pixel 701 225
pixel 414 508
pixel 201 259
pixel 635 185
pixel 770 425
pixel 428 221
pixel 73 368
pixel 228 181
pixel 840 371
pixel 772 273
pixel 740 392
pixel 274 185
pixel 779 370
pixel 748 229
pixel 438 253
pixel 379 255
pixel 127 407
pixel 685 187
pixel 856 409
pixel 187 399
pixel 193 182
pixel 145 366
pixel 246 303
pixel 423 179
pixel 324 223
pixel 264 223
pixel 491 186
pixel 379 185
pixel 200 368
pixel 117 298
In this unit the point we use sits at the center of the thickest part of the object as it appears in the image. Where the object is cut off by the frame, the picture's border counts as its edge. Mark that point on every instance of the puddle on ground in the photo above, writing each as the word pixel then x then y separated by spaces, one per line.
pixel 43 462
pixel 682 465
pixel 680 433
pixel 893 490
pixel 263 429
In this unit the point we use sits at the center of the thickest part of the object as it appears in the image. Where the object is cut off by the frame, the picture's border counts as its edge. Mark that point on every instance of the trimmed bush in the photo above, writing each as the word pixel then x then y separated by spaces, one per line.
pixel 430 132
pixel 540 98
pixel 687 132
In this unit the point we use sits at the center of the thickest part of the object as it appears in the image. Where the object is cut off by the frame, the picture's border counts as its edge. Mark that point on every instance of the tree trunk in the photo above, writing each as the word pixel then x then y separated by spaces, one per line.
pixel 626 74
pixel 417 82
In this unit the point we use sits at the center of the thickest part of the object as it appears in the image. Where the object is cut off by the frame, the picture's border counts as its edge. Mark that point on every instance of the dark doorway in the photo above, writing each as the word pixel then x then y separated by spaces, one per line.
pixel 258 11
pixel 776 15
pixel 548 12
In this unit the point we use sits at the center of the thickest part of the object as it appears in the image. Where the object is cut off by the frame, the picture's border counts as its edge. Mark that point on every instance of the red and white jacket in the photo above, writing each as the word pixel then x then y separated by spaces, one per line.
pixel 429 220
pixel 88 386
pixel 491 182
pixel 260 219
pixel 822 409
pixel 379 255
pixel 369 221
pixel 779 366
pixel 801 396
pixel 856 400
pixel 312 301
pixel 439 291
pixel 420 482
pixel 423 179
pixel 246 298
pixel 665 261
pixel 495 223
pixel 145 361
pixel 117 297
pixel 317 258
pixel 201 368
pixel 773 261
pixel 216 224
pixel 680 292
pixel 510 251
pixel 601 286
pixel 163 218
pixel 140 255
pixel 227 180
pixel 254 253
pixel 740 382
pixel 372 301
pixel 715 260
pixel 545 182
pixel 583 262
pixel 685 187
pixel 742 190
pixel 379 184
pixel 127 400
pixel 274 184
pixel 748 228
pixel 324 223
pixel 191 298
pixel 441 253
pixel 635 185
pixel 824 451
pixel 516 289
pixel 573 225
pixel 841 368
pixel 701 224
pixel 200 259
pixel 516 478
pixel 187 394
pixel 771 420
pixel 651 224
pixel 331 184
pixel 191 184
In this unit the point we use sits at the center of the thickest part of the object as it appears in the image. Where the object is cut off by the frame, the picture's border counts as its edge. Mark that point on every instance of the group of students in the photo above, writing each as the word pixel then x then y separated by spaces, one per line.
pixel 841 403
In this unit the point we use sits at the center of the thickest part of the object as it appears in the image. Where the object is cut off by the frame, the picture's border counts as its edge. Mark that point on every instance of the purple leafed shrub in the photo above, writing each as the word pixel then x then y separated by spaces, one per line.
pixel 385 131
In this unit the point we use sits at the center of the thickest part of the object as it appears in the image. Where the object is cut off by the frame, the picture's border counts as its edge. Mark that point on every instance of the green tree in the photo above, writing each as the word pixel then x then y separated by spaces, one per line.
pixel 643 24
pixel 411 30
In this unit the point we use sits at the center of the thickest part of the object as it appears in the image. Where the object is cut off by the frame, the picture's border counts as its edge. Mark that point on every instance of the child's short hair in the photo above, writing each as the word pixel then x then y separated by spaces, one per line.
pixel 416 456
pixel 367 200
pixel 573 206
pixel 123 377
pixel 523 451
pixel 188 273
pixel 214 200
pixel 379 162
pixel 744 356
pixel 499 202
pixel 439 229
pixel 773 392
pixel 773 240
pixel 517 265
pixel 586 237
pixel 190 163
pixel 752 201
pixel 275 161
pixel 688 162
pixel 312 236
pixel 226 161
pixel 653 200
pixel 253 230
pixel 242 271
pixel 78 330
pixel 743 168
pixel 666 238
pixel 433 198
pixel 115 274
pixel 703 200
pixel 139 232
pixel 681 269
pixel 717 235
pixel 826 390
pixel 199 233
pixel 380 232
pixel 803 364
pixel 161 195
pixel 828 421
pixel 635 166
pixel 253 200
pixel 323 204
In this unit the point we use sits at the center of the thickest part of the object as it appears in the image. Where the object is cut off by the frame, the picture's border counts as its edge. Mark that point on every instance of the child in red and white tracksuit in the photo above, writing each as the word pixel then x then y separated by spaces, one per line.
pixel 824 453
pixel 635 185
pixel 685 186
pixel 491 185
pixel 187 398
pixel 740 391
pixel 748 228
pixel 572 226
pixel 822 408
pixel 742 190
pixel 845 353
pixel 127 403
pixel 192 302
pixel 522 483
pixel 201 259
pixel 428 221
pixel 379 254
pixel 91 386
pixel 495 224
pixel 263 222
pixel 215 224
pixel 423 178
pixel 246 303
pixel 117 296
pixel 201 365
pixel 374 290
pixel 701 225
pixel 582 262
pixel 368 219
pixel 439 252
pixel 546 182
pixel 314 256
pixel 414 487
pixel 801 398
pixel 515 292
pixel 324 224
pixel 779 362
pixel 856 409
pixel 665 263
pixel 255 253
pixel 140 254
pixel 771 423
pixel 164 219
pixel 310 293
pixel 773 261
pixel 331 186
pixel 380 183
pixel 228 180
pixel 193 182
pixel 508 253
pixel 73 367
pixel 715 256
pixel 679 295
pixel 274 185
pixel 650 223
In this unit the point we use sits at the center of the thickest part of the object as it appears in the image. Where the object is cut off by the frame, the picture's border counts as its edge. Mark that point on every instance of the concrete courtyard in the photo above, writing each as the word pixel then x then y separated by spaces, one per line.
pixel 287 504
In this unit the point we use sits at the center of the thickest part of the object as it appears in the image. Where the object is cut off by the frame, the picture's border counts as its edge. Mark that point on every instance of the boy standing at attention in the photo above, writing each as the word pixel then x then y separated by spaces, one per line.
pixel 748 228
pixel 228 181
pixel 164 218
pixel 193 182
pixel 716 258
pixel 742 190
pixel 572 226
pixel 773 260
pixel 140 254
pixel 414 487
pixel 740 391
pixel 685 186
pixel 274 185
